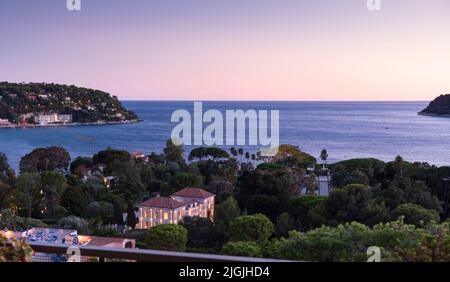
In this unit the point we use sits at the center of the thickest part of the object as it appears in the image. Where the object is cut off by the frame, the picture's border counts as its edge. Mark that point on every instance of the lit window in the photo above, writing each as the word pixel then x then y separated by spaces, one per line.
pixel 166 216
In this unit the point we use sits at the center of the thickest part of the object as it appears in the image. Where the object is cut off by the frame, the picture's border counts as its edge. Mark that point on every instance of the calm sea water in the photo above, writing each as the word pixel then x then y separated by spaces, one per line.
pixel 346 129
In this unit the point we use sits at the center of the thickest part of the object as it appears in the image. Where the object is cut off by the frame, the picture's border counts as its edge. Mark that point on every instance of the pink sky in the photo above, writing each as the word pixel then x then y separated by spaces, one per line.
pixel 232 50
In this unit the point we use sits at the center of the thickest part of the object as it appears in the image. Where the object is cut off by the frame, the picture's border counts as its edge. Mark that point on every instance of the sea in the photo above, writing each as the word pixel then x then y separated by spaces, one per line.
pixel 347 130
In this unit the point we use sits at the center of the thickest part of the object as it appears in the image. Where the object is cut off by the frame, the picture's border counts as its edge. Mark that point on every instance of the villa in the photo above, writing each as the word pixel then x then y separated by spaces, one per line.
pixel 4 122
pixel 53 118
pixel 188 202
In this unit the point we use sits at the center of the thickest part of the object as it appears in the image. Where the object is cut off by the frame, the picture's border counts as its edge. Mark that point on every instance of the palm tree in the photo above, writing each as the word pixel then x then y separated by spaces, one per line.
pixel 324 157
pixel 241 153
pixel 253 159
pixel 233 152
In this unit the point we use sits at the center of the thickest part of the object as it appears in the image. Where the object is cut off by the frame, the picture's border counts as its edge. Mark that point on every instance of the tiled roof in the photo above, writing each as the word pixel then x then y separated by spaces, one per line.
pixel 138 154
pixel 193 193
pixel 162 202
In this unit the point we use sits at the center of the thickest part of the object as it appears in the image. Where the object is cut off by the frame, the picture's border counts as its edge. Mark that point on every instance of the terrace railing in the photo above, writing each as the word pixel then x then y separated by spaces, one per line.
pixel 140 255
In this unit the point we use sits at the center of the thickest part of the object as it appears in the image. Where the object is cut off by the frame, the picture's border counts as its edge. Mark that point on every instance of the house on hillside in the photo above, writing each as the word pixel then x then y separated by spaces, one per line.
pixel 188 202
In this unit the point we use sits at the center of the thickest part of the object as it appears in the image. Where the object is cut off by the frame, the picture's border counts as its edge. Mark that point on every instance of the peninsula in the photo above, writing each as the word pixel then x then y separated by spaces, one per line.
pixel 48 104
pixel 438 107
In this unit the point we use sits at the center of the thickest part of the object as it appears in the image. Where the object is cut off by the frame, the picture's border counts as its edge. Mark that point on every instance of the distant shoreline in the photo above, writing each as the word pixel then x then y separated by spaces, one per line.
pixel 433 115
pixel 16 126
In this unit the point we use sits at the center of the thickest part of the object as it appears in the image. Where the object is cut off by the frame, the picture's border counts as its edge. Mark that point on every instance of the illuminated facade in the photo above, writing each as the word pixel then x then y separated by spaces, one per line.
pixel 170 210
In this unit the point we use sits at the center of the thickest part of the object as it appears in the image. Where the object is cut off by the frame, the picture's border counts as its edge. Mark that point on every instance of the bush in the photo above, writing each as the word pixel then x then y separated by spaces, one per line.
pixel 251 228
pixel 243 249
pixel 167 237
pixel 20 251
pixel 415 214
pixel 74 223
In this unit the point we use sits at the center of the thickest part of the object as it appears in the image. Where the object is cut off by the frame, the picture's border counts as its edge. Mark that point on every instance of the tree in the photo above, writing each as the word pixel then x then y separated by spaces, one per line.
pixel 343 243
pixel 267 191
pixel 251 228
pixel 204 152
pixel 7 179
pixel 223 189
pixel 81 165
pixel 174 153
pixel 241 153
pixel 74 223
pixel 403 190
pixel 324 156
pixel 53 187
pixel 285 223
pixel 292 156
pixel 234 152
pixel 182 180
pixel 300 207
pixel 203 234
pixel 243 249
pixel 399 163
pixel 227 211
pixel 371 169
pixel 7 175
pixel 109 156
pixel 74 200
pixel 197 153
pixel 130 184
pixel 45 159
pixel 343 205
pixel 415 214
pixel 349 242
pixel 28 192
pixel 167 237
pixel 102 211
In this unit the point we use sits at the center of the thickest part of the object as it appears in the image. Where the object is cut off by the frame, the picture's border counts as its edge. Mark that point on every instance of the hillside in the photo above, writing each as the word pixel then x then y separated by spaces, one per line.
pixel 438 107
pixel 29 103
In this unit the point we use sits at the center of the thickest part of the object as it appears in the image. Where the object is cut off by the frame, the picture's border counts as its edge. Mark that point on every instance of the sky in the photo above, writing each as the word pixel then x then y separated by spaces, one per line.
pixel 299 50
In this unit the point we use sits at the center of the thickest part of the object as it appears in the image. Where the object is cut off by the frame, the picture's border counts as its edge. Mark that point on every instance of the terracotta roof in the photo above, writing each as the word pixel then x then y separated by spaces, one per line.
pixel 103 241
pixel 138 154
pixel 162 202
pixel 193 193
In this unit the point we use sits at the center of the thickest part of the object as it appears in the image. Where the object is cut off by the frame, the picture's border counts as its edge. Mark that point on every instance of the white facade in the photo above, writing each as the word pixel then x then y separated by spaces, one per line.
pixel 4 122
pixel 54 118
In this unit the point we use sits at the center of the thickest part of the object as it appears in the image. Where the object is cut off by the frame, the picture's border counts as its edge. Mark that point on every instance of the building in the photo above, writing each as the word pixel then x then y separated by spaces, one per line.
pixel 53 118
pixel 138 155
pixel 4 122
pixel 188 202
pixel 68 237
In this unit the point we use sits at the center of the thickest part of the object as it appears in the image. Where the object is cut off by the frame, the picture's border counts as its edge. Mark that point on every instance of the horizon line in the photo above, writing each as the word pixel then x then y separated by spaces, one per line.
pixel 274 101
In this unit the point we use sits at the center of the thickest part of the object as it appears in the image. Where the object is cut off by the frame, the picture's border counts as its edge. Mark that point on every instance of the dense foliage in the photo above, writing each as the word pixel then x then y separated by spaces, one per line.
pixel 261 207
pixel 85 105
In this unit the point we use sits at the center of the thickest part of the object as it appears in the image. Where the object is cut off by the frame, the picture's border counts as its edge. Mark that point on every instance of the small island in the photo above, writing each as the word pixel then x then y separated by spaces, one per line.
pixel 48 104
pixel 438 107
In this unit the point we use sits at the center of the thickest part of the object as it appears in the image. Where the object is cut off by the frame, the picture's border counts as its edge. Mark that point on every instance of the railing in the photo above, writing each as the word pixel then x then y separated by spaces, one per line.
pixel 142 255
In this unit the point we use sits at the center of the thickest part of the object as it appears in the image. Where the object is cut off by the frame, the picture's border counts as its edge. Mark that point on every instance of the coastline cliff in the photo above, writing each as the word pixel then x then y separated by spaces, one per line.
pixel 46 104
pixel 438 107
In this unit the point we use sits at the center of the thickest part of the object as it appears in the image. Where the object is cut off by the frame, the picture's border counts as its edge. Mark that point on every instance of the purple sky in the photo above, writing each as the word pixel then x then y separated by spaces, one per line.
pixel 231 49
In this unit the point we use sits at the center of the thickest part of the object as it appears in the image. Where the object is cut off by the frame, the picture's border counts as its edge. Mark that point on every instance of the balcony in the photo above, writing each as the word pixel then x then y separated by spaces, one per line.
pixel 141 255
